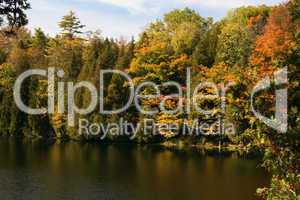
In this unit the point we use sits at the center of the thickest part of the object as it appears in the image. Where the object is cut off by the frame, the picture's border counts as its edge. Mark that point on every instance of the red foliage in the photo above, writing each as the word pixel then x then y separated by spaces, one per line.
pixel 272 47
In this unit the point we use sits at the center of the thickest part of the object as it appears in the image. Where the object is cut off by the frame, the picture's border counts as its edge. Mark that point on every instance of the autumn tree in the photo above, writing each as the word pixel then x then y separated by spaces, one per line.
pixel 276 48
pixel 272 48
pixel 218 52
pixel 236 39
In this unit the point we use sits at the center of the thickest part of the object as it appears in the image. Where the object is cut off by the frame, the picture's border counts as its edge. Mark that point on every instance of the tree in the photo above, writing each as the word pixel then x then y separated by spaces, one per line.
pixel 14 12
pixel 38 46
pixel 234 45
pixel 126 54
pixel 66 54
pixel 70 25
pixel 294 7
pixel 277 47
pixel 273 47
pixel 179 31
pixel 206 48
pixel 39 39
pixel 238 33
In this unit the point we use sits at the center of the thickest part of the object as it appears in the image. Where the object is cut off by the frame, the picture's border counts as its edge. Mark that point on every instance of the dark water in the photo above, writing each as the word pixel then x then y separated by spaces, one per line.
pixel 38 170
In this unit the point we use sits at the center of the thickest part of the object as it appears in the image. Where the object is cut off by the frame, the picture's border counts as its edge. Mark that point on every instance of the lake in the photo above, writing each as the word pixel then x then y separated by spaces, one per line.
pixel 44 170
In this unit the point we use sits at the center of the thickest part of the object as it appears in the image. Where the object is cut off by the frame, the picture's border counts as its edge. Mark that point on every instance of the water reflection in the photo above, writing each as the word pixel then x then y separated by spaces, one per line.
pixel 41 170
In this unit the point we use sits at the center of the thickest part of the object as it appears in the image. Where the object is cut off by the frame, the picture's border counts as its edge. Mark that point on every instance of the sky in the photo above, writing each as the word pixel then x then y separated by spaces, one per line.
pixel 124 18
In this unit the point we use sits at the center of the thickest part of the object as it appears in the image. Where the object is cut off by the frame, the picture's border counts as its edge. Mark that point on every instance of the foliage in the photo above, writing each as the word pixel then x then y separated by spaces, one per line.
pixel 247 45
pixel 14 12
pixel 239 31
pixel 70 25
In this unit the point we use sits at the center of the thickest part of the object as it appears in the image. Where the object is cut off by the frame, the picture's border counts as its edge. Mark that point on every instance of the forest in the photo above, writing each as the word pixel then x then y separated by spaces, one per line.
pixel 249 44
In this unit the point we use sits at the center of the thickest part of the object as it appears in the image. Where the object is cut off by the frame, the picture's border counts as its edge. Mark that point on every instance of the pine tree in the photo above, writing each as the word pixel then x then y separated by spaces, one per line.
pixel 71 25
pixel 14 12
pixel 39 39
pixel 125 56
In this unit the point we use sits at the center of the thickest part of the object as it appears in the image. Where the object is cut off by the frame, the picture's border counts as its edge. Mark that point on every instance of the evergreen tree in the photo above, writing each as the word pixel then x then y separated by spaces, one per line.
pixel 14 12
pixel 39 39
pixel 38 49
pixel 126 53
pixel 70 25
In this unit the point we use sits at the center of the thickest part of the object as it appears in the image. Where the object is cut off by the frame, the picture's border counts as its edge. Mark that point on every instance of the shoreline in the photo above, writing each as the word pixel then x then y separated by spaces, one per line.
pixel 178 145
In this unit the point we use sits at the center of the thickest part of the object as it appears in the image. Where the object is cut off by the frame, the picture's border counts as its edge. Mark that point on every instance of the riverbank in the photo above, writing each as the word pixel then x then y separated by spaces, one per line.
pixel 208 147
pixel 228 149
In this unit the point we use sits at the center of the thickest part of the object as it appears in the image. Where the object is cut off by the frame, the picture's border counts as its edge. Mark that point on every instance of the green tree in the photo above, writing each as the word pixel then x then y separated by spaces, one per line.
pixel 126 54
pixel 71 25
pixel 206 48
pixel 115 96
pixel 67 55
pixel 179 30
pixel 14 12
pixel 39 39
pixel 234 45
pixel 294 7
pixel 38 49
pixel 238 33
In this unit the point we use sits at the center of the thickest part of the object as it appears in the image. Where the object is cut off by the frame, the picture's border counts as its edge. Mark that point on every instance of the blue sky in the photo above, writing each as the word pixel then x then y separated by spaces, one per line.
pixel 116 18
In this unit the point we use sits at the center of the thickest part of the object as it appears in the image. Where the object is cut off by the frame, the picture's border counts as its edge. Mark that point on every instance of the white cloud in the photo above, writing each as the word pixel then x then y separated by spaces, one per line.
pixel 218 3
pixel 136 6
pixel 155 6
